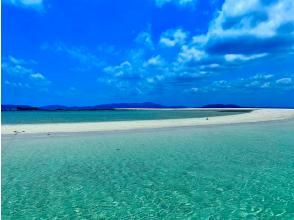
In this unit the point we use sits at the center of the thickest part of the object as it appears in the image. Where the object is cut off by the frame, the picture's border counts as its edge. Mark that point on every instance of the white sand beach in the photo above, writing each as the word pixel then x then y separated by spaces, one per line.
pixel 257 115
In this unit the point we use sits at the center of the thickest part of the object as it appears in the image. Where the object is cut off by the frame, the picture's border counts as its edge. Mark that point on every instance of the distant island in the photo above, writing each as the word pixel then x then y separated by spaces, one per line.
pixel 221 106
pixel 110 106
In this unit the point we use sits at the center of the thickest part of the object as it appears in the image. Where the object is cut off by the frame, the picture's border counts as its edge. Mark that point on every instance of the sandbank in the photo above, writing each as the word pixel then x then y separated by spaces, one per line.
pixel 256 115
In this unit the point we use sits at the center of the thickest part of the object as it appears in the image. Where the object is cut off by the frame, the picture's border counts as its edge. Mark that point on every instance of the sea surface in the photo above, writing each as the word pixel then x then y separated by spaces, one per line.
pixel 35 117
pixel 243 171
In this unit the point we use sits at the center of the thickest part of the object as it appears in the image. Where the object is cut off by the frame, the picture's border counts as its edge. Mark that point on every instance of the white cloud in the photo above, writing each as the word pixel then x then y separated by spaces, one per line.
pixel 38 76
pixel 284 81
pixel 154 61
pixel 199 39
pixel 194 89
pixel 241 32
pixel 213 65
pixel 241 57
pixel 265 85
pixel 125 68
pixel 263 76
pixel 167 42
pixel 21 73
pixel 182 58
pixel 172 38
pixel 81 54
pixel 248 30
pixel 253 84
pixel 221 84
pixel 210 66
pixel 240 7
pixel 190 54
pixel 16 84
pixel 145 38
pixel 17 70
pixel 160 3
pixel 15 60
pixel 30 4
pixel 252 17
pixel 150 80
pixel 78 53
pixel 155 79
pixel 125 77
pixel 16 67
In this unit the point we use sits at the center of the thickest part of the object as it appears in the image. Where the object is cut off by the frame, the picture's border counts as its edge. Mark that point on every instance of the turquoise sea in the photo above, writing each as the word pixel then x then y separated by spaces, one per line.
pixel 243 171
pixel 35 117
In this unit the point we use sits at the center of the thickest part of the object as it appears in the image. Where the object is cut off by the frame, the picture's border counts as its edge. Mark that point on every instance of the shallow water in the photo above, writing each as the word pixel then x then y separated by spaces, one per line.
pixel 216 172
pixel 35 117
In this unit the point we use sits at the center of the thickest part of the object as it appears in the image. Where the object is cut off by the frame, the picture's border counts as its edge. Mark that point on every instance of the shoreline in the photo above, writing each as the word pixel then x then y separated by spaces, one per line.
pixel 183 109
pixel 24 136
pixel 256 115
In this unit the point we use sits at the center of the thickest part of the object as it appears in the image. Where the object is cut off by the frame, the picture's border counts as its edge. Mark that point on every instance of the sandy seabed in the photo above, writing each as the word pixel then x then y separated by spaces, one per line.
pixel 256 115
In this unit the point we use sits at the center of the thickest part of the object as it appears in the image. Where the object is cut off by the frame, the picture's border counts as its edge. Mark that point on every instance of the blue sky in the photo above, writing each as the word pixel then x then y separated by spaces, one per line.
pixel 173 52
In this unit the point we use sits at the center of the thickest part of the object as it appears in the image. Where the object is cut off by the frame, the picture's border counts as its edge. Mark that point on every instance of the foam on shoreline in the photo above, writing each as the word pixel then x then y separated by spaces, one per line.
pixel 260 115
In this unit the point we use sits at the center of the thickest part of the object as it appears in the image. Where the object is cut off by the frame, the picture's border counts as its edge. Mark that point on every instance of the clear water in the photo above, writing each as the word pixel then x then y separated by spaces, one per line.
pixel 33 117
pixel 218 172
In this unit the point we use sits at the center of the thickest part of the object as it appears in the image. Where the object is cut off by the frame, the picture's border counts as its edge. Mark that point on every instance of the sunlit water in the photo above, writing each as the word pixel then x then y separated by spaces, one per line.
pixel 217 172
pixel 33 117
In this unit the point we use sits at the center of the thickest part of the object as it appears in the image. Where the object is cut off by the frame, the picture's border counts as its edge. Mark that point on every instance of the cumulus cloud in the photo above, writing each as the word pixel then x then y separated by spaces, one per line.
pixel 125 77
pixel 280 84
pixel 144 73
pixel 252 27
pixel 257 82
pixel 122 70
pixel 154 61
pixel 37 5
pixel 265 81
pixel 20 73
pixel 240 33
pixel 172 38
pixel 188 54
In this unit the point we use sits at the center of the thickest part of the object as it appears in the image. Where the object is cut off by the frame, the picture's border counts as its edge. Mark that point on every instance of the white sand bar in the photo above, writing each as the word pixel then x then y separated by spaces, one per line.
pixel 259 115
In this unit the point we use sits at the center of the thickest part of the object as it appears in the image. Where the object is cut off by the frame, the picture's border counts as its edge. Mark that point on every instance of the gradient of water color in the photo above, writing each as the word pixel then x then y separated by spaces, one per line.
pixel 216 172
pixel 35 117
